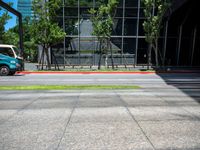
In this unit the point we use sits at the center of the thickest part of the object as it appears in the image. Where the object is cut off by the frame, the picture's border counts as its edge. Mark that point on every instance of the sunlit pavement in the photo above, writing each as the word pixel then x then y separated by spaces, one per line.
pixel 164 114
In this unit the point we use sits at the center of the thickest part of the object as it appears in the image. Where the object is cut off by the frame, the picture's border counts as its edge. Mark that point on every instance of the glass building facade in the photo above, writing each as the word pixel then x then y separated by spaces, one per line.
pixel 81 47
pixel 25 8
pixel 182 33
pixel 178 44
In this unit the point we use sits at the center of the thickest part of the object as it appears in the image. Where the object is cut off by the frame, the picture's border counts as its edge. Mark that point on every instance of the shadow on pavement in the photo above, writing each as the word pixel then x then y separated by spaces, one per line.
pixel 188 83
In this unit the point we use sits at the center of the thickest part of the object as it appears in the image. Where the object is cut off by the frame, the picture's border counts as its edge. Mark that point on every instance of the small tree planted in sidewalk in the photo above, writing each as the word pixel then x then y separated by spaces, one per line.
pixel 154 11
pixel 102 21
pixel 44 30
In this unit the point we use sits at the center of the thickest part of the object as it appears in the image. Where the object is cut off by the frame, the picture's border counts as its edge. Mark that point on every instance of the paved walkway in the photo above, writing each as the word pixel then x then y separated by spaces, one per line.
pixel 157 117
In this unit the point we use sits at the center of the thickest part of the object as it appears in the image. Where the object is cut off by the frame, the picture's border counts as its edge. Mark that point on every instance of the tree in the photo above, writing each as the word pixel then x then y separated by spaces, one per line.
pixel 30 47
pixel 11 37
pixel 102 21
pixel 44 30
pixel 4 17
pixel 154 11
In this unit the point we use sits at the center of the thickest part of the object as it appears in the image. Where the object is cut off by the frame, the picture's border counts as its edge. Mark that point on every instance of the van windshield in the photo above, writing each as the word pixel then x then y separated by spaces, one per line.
pixel 16 51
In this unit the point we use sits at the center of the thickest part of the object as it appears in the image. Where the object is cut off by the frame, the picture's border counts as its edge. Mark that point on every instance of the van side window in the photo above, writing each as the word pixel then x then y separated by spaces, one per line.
pixel 6 51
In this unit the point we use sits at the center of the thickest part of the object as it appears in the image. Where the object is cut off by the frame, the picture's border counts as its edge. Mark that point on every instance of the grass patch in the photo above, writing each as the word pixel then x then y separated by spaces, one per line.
pixel 69 87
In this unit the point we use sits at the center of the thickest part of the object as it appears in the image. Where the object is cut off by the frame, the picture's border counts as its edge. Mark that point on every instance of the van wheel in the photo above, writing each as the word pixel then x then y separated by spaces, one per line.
pixel 4 71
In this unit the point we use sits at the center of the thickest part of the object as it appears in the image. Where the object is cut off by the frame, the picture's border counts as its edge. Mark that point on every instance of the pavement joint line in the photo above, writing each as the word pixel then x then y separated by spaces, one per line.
pixel 21 109
pixel 193 115
pixel 133 118
pixel 68 120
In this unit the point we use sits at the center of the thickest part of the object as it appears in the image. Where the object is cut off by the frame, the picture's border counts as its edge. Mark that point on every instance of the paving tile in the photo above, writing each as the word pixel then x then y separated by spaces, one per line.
pixel 54 102
pixel 6 114
pixel 136 101
pixel 160 113
pixel 194 110
pixel 104 114
pixel 34 129
pixel 176 135
pixel 14 104
pixel 103 100
pixel 107 135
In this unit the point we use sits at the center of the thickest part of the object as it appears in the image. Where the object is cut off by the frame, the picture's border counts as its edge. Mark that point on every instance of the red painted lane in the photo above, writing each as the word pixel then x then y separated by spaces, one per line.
pixel 63 72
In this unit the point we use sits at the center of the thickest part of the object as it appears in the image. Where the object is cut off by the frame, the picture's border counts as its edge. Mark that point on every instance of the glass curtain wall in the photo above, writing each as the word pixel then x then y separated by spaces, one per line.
pixel 24 7
pixel 81 47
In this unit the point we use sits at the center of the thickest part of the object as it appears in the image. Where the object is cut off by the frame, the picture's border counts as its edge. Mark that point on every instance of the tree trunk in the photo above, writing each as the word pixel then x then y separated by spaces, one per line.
pixel 156 53
pixel 107 47
pixel 104 49
pixel 110 46
pixel 106 60
pixel 149 55
pixel 48 60
pixel 41 60
pixel 56 63
pixel 161 58
pixel 100 55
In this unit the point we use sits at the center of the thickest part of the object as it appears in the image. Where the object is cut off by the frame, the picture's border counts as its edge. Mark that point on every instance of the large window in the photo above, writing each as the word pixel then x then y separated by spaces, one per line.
pixel 81 44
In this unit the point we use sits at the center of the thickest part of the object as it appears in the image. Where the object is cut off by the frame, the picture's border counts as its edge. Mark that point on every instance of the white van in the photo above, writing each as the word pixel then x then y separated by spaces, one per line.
pixel 10 50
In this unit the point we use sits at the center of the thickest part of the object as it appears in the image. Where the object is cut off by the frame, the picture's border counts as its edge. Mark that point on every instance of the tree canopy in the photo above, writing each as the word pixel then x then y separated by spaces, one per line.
pixel 45 31
pixel 102 19
pixel 154 11
pixel 102 22
pixel 4 17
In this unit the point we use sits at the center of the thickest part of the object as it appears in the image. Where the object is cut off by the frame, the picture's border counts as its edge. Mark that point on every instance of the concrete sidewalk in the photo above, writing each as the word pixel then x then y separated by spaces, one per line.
pixel 141 119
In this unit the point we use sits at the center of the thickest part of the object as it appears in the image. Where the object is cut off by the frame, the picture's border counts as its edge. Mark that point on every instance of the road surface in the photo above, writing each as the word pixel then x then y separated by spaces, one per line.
pixel 163 115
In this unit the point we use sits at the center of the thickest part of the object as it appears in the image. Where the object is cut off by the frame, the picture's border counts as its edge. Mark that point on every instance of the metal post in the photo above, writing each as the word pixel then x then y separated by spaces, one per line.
pixel 64 44
pixel 21 39
pixel 179 44
pixel 93 57
pixel 137 34
pixel 165 41
pixel 193 44
pixel 123 20
pixel 79 33
pixel 21 35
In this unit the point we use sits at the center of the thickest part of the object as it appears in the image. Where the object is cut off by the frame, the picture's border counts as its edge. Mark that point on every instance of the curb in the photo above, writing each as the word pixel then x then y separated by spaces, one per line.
pixel 96 72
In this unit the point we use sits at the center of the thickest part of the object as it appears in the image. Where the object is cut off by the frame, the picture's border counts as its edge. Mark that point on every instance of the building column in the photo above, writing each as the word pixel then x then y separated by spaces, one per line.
pixel 165 42
pixel 137 34
pixel 180 35
pixel 179 44
pixel 193 44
